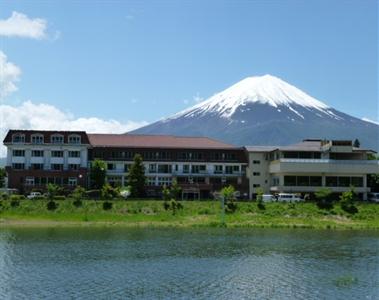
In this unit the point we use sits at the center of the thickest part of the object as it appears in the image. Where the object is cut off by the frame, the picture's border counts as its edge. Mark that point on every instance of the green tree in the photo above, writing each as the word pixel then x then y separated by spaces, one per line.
pixel 53 190
pixel 260 203
pixel 3 174
pixel 98 173
pixel 228 193
pixel 347 201
pixel 136 178
pixel 324 198
pixel 357 143
pixel 109 192
pixel 170 196
pixel 78 194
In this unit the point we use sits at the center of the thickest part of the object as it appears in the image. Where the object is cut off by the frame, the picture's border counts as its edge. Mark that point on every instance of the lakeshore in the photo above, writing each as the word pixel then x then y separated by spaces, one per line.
pixel 143 213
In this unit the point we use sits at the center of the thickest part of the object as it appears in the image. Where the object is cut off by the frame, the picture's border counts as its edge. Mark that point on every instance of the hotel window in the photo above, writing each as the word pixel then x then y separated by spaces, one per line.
pixel 18 153
pixel 37 139
pixel 57 139
pixel 331 181
pixel 344 181
pixel 256 162
pixel 256 174
pixel 56 153
pixel 164 169
pixel 37 153
pixel 74 139
pixel 18 166
pixel 275 181
pixel 29 181
pixel 164 181
pixel 315 181
pixel 289 180
pixel 18 138
pixel 302 180
pixel 230 156
pixel 152 168
pixel 218 169
pixel 357 181
pixel 72 181
pixel 126 168
pixel 111 166
pixel 256 185
pixel 151 181
pixel 57 167
pixel 186 168
pixel 37 166
pixel 196 169
pixel 73 153
pixel 228 169
pixel 74 167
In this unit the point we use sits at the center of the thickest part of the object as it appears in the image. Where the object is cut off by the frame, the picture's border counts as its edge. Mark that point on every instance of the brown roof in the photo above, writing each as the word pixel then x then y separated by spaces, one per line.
pixel 155 141
pixel 46 133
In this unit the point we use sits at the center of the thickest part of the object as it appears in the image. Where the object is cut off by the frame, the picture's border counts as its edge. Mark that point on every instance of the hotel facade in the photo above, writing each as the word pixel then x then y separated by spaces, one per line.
pixel 200 165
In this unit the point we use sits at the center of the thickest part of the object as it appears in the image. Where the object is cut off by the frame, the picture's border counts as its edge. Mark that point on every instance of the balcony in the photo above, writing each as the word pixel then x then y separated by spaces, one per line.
pixel 289 165
pixel 305 189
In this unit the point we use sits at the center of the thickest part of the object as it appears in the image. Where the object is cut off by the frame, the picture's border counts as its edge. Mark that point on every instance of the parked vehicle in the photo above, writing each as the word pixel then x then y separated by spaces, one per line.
pixel 374 197
pixel 283 197
pixel 33 195
pixel 268 198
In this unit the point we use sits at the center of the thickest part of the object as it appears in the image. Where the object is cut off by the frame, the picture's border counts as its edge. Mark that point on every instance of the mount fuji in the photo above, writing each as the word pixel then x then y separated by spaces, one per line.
pixel 265 110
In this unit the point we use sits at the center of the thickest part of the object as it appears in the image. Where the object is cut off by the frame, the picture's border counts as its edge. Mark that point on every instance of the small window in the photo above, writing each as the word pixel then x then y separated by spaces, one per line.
pixel 37 153
pixel 57 139
pixel 218 169
pixel 111 166
pixel 256 174
pixel 256 162
pixel 72 181
pixel 29 181
pixel 18 166
pixel 57 167
pixel 56 153
pixel 36 166
pixel 74 167
pixel 37 139
pixel 255 185
pixel 18 138
pixel 18 153
pixel 73 153
pixel 74 139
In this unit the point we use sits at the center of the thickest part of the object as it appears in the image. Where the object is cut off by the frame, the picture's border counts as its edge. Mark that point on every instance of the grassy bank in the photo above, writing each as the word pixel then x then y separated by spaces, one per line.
pixel 193 214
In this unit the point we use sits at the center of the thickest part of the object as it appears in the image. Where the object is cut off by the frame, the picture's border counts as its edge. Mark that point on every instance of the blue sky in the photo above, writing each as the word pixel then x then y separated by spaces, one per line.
pixel 140 61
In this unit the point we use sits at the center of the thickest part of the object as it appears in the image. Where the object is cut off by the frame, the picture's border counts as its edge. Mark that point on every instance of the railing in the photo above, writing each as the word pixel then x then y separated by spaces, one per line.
pixel 329 161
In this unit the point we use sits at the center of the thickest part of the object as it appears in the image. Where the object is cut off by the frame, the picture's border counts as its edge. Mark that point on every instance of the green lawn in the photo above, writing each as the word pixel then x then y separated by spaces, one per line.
pixel 193 214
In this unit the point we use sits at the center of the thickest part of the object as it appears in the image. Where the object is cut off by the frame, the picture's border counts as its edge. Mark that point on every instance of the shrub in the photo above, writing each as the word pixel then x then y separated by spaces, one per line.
pixel 4 196
pixel 231 206
pixel 93 194
pixel 109 192
pixel 229 198
pixel 347 201
pixel 166 205
pixel 172 205
pixel 51 205
pixel 107 205
pixel 260 203
pixel 324 198
pixel 15 203
pixel 59 198
pixel 78 193
pixel 53 190
pixel 77 203
pixel 17 197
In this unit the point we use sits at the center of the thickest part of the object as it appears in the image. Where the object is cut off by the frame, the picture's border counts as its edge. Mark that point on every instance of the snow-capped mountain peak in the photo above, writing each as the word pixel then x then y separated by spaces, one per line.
pixel 265 89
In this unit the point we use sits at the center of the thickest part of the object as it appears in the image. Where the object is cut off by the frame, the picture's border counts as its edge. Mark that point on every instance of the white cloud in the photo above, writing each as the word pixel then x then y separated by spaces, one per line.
pixel 42 116
pixel 370 121
pixel 20 25
pixel 9 75
pixel 197 98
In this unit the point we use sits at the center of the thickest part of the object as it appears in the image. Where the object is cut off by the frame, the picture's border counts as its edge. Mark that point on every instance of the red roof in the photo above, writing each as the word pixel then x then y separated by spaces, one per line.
pixel 155 141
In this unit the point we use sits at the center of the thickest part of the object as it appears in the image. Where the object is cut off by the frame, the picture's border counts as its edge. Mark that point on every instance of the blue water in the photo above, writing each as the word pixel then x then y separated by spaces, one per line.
pixel 119 263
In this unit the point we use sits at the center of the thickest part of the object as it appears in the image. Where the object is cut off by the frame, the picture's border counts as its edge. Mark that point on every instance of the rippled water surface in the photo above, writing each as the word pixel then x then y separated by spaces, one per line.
pixel 115 263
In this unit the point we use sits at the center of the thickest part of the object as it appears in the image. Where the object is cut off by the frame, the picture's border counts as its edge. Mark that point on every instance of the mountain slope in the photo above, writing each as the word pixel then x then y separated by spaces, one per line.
pixel 265 110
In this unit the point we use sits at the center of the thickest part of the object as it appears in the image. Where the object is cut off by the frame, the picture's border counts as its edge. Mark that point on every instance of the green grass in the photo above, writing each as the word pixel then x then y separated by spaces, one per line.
pixel 193 214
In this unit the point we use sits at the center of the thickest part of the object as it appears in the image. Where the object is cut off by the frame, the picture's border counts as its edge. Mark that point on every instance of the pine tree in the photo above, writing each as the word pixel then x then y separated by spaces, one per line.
pixel 356 144
pixel 136 178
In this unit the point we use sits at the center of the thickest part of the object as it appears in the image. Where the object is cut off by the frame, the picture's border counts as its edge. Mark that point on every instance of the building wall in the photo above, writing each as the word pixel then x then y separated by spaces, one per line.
pixel 258 173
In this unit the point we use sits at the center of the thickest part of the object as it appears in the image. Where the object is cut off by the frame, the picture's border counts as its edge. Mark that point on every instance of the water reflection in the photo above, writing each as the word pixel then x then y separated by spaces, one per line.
pixel 121 263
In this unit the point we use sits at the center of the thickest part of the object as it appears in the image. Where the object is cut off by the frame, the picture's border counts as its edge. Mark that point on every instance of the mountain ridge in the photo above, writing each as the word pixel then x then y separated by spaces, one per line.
pixel 265 110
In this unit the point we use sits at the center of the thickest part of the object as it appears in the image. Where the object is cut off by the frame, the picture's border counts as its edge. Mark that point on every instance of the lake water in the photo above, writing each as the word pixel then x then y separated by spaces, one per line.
pixel 120 263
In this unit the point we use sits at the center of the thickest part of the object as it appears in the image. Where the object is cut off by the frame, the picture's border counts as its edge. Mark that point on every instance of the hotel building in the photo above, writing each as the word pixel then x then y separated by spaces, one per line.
pixel 310 165
pixel 200 165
